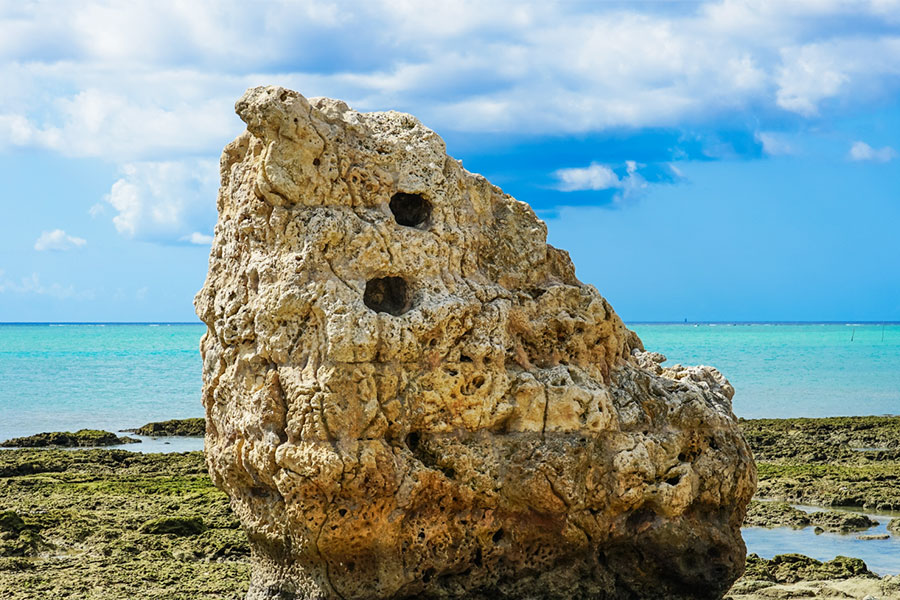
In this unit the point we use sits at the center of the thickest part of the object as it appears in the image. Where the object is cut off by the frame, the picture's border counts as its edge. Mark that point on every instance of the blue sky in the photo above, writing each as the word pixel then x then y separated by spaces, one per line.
pixel 701 160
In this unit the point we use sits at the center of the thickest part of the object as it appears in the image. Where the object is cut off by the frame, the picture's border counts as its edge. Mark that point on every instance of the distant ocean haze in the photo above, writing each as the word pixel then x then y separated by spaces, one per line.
pixel 115 376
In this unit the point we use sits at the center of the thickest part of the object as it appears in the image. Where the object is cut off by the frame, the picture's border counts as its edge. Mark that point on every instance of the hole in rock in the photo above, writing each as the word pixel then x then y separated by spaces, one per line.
pixel 351 566
pixel 673 480
pixel 427 575
pixel 640 518
pixel 410 210
pixel 412 441
pixel 316 162
pixel 498 535
pixel 342 512
pixel 388 295
pixel 477 560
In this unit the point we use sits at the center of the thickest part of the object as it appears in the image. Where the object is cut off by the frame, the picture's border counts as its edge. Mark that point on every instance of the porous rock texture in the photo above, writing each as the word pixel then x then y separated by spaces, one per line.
pixel 410 395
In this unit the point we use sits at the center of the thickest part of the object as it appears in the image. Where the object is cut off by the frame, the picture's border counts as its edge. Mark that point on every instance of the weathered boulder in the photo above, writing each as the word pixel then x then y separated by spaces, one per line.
pixel 409 394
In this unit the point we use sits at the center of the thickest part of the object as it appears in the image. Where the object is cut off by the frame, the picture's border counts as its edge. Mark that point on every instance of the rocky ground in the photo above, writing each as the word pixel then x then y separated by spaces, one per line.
pixel 111 524
pixel 83 438
pixel 842 461
pixel 181 427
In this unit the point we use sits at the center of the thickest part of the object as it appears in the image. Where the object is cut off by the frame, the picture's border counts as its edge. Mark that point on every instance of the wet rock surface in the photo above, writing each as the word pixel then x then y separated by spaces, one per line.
pixel 841 461
pixel 174 427
pixel 83 438
pixel 797 576
pixel 409 393
pixel 781 514
pixel 113 524
pixel 84 510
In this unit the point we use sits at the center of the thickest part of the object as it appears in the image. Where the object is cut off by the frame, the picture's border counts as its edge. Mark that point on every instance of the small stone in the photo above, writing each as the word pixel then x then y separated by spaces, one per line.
pixel 874 536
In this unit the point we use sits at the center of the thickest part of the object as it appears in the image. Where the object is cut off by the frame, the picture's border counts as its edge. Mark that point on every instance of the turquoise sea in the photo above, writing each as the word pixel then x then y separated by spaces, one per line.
pixel 114 376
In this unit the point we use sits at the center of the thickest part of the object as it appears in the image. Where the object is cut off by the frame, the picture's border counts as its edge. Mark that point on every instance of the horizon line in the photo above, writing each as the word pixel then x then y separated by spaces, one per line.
pixel 636 322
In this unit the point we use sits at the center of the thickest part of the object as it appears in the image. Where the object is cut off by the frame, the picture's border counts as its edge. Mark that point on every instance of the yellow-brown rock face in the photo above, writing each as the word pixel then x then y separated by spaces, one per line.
pixel 409 394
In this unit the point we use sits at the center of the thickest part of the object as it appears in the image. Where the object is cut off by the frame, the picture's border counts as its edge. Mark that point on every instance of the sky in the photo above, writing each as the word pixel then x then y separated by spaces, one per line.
pixel 709 161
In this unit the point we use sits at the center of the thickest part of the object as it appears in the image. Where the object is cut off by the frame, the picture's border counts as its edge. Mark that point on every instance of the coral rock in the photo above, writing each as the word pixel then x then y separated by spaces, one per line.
pixel 409 394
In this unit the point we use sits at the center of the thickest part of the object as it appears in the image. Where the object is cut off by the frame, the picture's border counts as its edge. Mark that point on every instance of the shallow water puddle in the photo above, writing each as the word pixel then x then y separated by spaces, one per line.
pixel 881 556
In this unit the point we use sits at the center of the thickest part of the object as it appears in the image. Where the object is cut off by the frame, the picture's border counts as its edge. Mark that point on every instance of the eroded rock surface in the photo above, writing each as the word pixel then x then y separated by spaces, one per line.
pixel 409 393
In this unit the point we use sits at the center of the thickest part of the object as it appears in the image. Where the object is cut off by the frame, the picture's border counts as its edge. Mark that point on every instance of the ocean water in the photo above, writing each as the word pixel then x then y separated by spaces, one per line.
pixel 881 556
pixel 67 377
pixel 792 370
pixel 112 377
pixel 115 376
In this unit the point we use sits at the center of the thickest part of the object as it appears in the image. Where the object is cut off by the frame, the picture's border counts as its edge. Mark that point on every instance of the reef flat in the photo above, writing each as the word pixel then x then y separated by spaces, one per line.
pixel 110 524
pixel 83 438
pixel 175 427
pixel 839 461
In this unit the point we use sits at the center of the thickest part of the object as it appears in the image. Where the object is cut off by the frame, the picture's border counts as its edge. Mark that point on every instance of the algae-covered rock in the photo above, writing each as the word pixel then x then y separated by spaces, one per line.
pixel 410 394
pixel 88 508
pixel 182 526
pixel 18 538
pixel 894 525
pixel 841 521
pixel 846 439
pixel 83 438
pixel 790 568
pixel 174 427
pixel 10 522
pixel 782 514
pixel 775 514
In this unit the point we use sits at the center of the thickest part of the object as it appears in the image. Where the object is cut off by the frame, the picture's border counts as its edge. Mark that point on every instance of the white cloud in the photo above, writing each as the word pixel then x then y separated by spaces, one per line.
pixel 165 201
pixel 32 286
pixel 147 80
pixel 58 240
pixel 593 177
pixel 201 239
pixel 861 151
pixel 601 177
pixel 773 144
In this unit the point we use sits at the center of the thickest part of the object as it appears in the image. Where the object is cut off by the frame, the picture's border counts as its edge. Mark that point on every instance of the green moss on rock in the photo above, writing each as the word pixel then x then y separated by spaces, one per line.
pixel 83 438
pixel 175 427
pixel 95 507
pixel 790 568
pixel 182 526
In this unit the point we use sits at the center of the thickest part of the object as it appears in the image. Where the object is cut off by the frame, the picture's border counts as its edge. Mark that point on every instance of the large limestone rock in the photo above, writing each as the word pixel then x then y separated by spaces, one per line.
pixel 410 395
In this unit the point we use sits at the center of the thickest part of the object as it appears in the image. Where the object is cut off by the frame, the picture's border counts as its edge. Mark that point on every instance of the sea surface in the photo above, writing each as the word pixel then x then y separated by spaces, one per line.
pixel 115 376
pixel 62 377
pixel 57 377
pixel 792 370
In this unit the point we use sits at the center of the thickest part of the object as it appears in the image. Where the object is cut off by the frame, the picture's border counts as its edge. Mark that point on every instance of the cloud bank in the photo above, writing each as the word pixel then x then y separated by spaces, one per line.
pixel 150 86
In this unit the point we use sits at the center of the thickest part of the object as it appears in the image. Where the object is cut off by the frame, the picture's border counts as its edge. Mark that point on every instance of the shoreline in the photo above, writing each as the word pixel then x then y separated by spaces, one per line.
pixel 87 521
